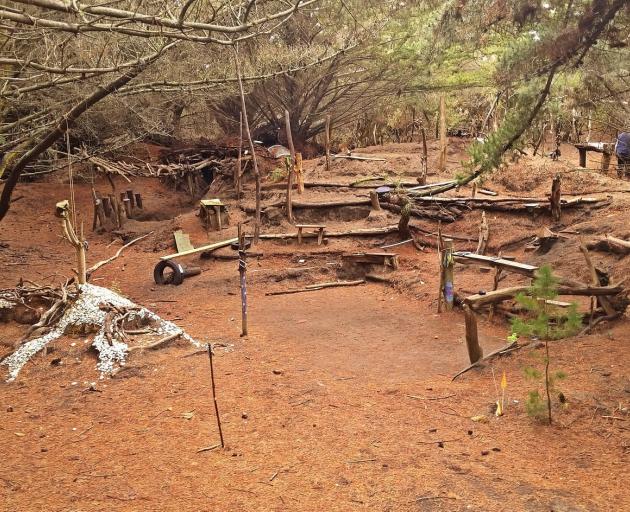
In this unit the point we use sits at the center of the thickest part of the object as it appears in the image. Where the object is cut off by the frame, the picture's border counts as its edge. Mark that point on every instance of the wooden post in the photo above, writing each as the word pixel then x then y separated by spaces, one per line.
pixel 495 286
pixel 448 289
pixel 77 241
pixel 127 205
pixel 582 152
pixel 291 167
pixel 251 147
pixel 424 159
pixel 475 353
pixel 107 206
pixel 132 202
pixel 605 161
pixel 116 210
pixel 484 233
pixel 299 173
pixel 376 205
pixel 214 396
pixel 239 160
pixel 242 270
pixel 138 198
pixel 440 248
pixel 100 212
pixel 443 139
pixel 554 199
pixel 327 143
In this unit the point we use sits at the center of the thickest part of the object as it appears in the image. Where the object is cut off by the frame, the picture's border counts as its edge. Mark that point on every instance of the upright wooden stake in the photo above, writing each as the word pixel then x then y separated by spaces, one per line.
pixel 132 201
pixel 424 159
pixel 239 160
pixel 376 205
pixel 484 233
pixel 448 289
pixel 327 143
pixel 77 241
pixel 214 396
pixel 299 173
pixel 554 199
pixel 440 248
pixel 475 353
pixel 443 140
pixel 251 146
pixel 242 270
pixel 287 123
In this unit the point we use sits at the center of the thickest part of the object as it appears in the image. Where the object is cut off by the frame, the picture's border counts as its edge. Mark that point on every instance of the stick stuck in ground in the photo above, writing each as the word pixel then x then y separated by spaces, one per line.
pixel 214 395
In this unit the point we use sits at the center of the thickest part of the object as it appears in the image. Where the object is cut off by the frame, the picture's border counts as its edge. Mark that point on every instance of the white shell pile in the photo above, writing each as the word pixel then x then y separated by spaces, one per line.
pixel 86 311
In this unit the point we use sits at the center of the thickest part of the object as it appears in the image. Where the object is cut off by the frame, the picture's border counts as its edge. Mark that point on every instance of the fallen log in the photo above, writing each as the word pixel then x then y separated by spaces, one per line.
pixel 495 296
pixel 441 214
pixel 352 232
pixel 282 185
pixel 610 243
pixel 359 157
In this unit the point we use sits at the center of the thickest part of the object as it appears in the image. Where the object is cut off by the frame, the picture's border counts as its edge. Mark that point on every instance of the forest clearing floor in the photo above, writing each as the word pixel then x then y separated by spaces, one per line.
pixel 339 399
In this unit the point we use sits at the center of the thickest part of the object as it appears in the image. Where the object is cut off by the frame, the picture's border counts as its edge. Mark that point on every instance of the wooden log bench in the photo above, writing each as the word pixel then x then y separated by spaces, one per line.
pixel 503 263
pixel 320 229
pixel 385 259
pixel 606 148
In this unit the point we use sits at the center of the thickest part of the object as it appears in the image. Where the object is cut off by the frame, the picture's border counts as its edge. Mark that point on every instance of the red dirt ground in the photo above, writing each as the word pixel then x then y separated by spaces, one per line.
pixel 339 399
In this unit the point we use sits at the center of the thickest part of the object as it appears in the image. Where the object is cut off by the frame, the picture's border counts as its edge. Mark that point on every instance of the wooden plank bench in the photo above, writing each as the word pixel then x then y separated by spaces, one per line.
pixel 320 229
pixel 503 263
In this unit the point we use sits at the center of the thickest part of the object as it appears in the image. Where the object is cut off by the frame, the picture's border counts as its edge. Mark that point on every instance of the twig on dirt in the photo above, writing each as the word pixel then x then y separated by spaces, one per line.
pixel 98 265
pixel 303 402
pixel 241 490
pixel 430 397
pixel 425 498
pixel 440 441
pixel 207 448
pixel 508 348
pixel 614 418
pixel 360 461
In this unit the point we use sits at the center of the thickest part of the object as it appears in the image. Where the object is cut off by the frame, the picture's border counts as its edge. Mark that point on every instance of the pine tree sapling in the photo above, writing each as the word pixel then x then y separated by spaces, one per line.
pixel 546 323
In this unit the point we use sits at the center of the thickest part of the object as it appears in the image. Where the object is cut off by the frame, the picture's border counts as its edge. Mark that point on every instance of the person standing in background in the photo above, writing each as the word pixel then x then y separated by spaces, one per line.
pixel 622 151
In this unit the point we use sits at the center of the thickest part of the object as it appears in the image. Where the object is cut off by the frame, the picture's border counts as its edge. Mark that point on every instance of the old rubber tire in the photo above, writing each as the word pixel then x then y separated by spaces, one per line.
pixel 178 272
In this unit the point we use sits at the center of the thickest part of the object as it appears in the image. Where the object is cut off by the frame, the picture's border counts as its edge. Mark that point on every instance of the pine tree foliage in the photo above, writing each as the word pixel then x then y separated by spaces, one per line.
pixel 544 321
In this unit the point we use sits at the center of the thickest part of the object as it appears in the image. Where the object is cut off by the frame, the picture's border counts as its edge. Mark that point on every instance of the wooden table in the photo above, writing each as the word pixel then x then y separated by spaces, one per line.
pixel 319 228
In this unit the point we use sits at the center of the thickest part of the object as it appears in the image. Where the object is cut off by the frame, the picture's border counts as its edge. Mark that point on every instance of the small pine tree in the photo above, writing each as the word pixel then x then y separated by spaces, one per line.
pixel 545 323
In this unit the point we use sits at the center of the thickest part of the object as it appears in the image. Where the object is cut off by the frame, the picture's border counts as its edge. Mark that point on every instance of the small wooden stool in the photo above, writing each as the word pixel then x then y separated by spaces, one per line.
pixel 214 212
pixel 319 228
